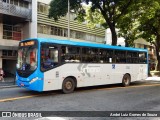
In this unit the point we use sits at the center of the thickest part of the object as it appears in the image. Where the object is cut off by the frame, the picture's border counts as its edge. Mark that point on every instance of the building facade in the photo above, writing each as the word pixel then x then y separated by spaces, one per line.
pixel 141 43
pixel 21 19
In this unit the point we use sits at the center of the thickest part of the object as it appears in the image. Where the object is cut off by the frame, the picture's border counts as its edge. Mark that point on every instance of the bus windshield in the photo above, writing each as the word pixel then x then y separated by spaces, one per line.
pixel 27 58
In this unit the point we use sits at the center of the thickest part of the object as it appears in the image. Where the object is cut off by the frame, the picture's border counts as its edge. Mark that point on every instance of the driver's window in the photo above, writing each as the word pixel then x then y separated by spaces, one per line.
pixel 49 56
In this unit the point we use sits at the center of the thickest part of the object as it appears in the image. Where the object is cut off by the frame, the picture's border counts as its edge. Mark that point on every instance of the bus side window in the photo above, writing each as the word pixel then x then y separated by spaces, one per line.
pixel 120 56
pixel 143 57
pixel 49 56
pixel 105 55
pixel 70 54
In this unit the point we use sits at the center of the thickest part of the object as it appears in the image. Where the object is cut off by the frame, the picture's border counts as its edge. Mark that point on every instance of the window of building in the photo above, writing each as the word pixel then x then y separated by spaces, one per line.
pixel 9 53
pixel 56 31
pixel 7 31
pixel 26 4
pixel 91 37
pixel 99 39
pixel 45 29
pixel 12 32
pixel 20 3
pixel 16 2
pixel 80 35
pixel 43 8
pixel 59 31
pixel 7 1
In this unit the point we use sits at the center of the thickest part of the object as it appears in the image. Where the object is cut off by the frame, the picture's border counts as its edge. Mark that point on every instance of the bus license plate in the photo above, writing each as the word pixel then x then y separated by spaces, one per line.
pixel 22 84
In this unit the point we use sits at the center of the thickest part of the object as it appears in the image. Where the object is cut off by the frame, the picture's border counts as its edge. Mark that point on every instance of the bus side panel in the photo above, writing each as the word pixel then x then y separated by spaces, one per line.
pixel 92 74
pixel 52 81
pixel 85 74
pixel 141 72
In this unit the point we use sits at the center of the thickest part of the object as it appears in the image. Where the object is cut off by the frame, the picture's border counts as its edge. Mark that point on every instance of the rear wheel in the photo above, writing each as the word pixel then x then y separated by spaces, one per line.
pixel 126 80
pixel 68 85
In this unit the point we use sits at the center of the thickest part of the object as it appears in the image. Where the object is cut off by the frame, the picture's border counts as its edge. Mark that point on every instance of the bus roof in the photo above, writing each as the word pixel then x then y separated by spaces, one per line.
pixel 86 44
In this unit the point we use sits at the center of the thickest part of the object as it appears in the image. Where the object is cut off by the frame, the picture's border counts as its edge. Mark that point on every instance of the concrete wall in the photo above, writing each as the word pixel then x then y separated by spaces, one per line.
pixel 0 58
pixel 26 31
pixel 33 23
pixel 1 31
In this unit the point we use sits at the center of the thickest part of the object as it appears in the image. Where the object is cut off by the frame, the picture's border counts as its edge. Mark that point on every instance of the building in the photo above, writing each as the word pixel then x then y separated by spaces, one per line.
pixel 141 43
pixel 108 38
pixel 21 19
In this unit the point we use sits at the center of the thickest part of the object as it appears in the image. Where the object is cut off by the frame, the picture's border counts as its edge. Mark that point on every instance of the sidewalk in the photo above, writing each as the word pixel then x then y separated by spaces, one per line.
pixel 8 82
pixel 154 78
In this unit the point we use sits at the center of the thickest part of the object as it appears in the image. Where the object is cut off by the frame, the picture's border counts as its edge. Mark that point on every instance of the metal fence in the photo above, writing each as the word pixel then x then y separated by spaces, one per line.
pixel 14 10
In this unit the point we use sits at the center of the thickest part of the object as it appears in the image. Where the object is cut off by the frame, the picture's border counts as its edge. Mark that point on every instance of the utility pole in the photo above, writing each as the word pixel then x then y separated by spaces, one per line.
pixel 68 20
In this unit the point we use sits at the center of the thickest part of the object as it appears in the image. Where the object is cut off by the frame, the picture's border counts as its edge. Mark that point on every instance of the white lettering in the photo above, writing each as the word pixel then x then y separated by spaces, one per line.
pixel 115 114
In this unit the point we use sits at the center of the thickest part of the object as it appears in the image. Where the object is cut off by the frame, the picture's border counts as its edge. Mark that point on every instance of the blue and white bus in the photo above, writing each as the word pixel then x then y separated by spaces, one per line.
pixel 51 64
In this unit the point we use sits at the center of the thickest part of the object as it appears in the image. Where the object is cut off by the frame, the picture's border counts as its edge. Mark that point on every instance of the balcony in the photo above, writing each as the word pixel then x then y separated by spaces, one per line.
pixel 14 10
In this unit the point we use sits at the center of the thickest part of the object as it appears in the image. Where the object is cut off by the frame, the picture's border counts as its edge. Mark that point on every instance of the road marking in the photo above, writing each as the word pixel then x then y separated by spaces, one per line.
pixel 30 96
pixel 17 98
pixel 24 97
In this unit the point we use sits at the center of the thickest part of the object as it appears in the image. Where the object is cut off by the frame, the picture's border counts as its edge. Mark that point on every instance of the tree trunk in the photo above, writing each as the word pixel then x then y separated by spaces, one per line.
pixel 114 37
pixel 126 42
pixel 114 34
pixel 158 64
pixel 157 45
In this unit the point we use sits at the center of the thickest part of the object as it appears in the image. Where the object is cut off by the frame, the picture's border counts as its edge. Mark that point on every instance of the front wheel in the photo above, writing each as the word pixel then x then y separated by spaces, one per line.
pixel 68 85
pixel 126 80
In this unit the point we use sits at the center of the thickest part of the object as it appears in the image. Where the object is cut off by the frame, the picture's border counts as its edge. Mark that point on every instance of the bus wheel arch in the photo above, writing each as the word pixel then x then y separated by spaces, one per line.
pixel 126 80
pixel 69 84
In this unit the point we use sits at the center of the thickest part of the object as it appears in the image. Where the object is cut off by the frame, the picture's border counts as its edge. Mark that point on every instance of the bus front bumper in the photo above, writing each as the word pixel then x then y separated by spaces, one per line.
pixel 36 85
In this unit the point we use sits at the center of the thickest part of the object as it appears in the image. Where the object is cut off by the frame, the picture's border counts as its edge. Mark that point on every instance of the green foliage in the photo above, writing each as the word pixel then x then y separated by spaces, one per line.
pixel 150 21
pixel 59 8
pixel 105 12
pixel 94 18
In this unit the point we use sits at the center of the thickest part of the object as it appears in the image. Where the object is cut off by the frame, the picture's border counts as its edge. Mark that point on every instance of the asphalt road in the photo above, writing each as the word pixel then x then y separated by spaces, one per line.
pixel 141 96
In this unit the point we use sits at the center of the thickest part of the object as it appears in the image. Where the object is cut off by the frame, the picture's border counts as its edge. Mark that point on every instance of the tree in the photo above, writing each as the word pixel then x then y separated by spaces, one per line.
pixel 143 21
pixel 150 25
pixel 111 11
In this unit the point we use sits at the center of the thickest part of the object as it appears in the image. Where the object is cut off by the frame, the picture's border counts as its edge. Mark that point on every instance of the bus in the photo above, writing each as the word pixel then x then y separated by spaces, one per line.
pixel 50 64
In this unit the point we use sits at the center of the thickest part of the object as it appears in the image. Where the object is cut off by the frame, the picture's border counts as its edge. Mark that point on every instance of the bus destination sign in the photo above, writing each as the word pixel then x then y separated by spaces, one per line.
pixel 28 43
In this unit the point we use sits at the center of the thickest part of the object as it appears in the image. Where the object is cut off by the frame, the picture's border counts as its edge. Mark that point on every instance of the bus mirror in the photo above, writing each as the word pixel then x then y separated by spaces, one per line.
pixel 110 60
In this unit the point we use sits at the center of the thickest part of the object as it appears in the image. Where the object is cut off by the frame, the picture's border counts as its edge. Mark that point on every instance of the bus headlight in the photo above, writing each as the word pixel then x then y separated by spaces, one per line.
pixel 33 80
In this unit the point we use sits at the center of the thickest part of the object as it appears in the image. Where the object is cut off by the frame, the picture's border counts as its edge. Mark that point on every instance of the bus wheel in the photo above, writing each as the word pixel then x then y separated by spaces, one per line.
pixel 126 80
pixel 68 85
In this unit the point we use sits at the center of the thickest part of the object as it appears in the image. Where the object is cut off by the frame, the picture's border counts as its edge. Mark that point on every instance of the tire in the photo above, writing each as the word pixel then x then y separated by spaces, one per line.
pixel 68 85
pixel 126 80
